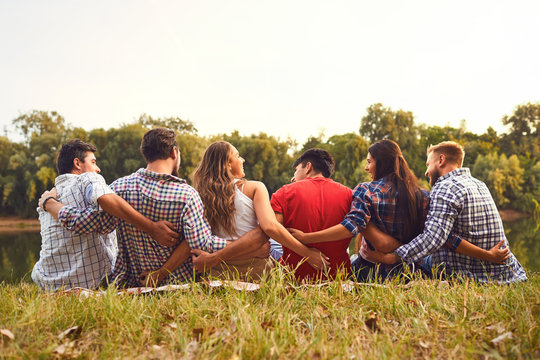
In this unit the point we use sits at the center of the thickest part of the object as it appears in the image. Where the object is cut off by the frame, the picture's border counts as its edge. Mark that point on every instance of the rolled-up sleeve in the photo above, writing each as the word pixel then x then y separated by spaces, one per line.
pixel 360 213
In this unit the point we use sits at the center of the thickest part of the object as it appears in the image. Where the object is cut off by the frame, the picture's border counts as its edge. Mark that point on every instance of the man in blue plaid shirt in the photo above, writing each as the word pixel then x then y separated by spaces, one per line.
pixel 460 205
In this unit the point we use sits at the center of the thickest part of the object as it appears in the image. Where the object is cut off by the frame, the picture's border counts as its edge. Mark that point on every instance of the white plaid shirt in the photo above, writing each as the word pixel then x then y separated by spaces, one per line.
pixel 462 205
pixel 76 258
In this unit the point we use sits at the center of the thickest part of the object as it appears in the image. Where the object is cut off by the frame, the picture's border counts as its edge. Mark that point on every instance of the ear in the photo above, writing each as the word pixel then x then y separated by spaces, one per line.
pixel 442 160
pixel 174 152
pixel 309 168
pixel 77 164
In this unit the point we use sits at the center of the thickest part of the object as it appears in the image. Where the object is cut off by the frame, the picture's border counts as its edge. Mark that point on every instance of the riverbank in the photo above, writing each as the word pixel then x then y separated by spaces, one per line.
pixel 422 319
pixel 16 224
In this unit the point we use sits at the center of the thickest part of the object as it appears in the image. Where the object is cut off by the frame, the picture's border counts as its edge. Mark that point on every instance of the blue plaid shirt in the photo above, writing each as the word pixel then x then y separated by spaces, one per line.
pixel 463 205
pixel 374 201
pixel 158 197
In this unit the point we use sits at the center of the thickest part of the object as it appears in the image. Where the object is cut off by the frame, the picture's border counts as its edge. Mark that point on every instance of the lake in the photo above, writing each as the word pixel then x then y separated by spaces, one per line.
pixel 19 251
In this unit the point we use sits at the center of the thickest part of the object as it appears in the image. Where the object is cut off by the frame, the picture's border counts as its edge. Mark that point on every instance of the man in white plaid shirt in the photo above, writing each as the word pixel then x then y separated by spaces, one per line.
pixel 85 257
pixel 460 205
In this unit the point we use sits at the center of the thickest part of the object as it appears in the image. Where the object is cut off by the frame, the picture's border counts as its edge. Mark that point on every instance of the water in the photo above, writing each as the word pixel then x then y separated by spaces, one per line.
pixel 20 251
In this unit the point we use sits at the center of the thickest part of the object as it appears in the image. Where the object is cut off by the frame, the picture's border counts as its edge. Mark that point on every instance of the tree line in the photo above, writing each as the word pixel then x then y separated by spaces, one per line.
pixel 508 163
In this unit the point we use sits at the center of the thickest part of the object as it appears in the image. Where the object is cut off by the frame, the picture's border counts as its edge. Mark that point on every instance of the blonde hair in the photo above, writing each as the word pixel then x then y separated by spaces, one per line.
pixel 216 186
pixel 453 151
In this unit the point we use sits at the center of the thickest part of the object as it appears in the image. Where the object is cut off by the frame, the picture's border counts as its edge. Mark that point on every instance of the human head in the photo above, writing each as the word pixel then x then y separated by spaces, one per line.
pixel 321 163
pixel 76 156
pixel 442 159
pixel 453 152
pixel 214 181
pixel 388 158
pixel 159 144
pixel 217 161
pixel 390 164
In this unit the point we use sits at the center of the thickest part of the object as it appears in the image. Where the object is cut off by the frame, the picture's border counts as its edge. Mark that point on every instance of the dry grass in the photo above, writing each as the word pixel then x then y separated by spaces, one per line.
pixel 423 319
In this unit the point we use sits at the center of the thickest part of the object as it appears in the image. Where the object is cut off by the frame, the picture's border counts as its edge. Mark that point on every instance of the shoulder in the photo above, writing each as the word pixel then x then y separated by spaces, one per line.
pixel 91 178
pixel 251 187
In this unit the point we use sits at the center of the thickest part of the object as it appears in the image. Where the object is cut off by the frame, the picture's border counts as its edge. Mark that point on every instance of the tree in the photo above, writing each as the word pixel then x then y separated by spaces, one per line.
pixel 171 122
pixel 383 123
pixel 524 135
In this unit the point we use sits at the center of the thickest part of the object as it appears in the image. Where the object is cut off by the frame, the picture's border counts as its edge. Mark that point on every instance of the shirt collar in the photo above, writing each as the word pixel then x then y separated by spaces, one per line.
pixel 159 176
pixel 458 172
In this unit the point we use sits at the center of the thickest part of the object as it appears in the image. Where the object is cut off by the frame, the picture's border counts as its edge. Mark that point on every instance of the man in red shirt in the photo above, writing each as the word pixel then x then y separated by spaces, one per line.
pixel 314 202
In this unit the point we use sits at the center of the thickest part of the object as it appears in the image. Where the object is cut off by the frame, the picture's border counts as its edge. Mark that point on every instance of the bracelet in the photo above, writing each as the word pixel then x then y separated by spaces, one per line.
pixel 45 202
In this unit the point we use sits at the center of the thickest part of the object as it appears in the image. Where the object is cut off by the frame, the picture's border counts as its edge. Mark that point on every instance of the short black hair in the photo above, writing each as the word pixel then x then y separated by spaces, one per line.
pixel 320 159
pixel 74 149
pixel 157 144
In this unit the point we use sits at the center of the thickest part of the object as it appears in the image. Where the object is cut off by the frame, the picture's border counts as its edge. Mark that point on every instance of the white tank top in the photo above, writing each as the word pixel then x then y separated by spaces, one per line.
pixel 245 218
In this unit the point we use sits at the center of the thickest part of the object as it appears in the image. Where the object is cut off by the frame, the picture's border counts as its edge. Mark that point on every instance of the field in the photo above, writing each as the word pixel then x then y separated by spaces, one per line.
pixel 280 320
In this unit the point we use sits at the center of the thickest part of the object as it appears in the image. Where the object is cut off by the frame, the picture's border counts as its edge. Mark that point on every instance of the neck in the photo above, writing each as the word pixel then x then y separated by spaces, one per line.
pixel 315 175
pixel 448 169
pixel 161 166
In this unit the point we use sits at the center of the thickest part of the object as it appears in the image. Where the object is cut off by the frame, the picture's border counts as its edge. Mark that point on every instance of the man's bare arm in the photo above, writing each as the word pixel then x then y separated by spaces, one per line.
pixel 248 243
pixel 177 258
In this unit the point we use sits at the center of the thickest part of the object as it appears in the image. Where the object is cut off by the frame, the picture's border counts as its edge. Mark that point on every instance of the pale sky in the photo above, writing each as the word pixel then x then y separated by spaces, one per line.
pixel 287 68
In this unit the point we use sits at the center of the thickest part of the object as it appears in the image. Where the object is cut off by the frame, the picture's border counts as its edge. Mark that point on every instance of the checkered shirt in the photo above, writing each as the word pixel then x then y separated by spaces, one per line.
pixel 373 201
pixel 160 197
pixel 79 258
pixel 463 205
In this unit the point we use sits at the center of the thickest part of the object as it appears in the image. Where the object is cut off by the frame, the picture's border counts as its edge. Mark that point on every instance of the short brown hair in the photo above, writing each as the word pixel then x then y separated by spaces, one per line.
pixel 452 150
pixel 157 144
pixel 74 149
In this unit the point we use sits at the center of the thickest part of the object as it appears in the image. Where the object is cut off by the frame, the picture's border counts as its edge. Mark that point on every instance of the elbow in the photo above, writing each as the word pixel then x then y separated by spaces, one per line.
pixel 270 228
pixel 387 247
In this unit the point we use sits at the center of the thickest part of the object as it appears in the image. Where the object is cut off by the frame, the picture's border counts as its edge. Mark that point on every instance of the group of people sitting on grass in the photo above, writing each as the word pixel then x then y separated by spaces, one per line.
pixel 151 228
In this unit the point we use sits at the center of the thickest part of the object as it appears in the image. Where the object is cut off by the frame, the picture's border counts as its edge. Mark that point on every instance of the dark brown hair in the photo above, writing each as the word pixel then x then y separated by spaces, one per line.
pixel 157 144
pixel 390 163
pixel 74 149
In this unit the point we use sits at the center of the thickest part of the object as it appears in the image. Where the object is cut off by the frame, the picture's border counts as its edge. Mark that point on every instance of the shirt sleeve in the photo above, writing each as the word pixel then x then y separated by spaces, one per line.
pixel 196 229
pixel 444 208
pixel 277 200
pixel 90 219
pixel 360 213
pixel 87 220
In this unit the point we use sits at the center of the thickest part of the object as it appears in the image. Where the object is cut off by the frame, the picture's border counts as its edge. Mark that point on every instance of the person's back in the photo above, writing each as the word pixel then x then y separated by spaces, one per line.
pixel 74 260
pixel 314 204
pixel 158 197
pixel 460 205
pixel 157 193
pixel 477 220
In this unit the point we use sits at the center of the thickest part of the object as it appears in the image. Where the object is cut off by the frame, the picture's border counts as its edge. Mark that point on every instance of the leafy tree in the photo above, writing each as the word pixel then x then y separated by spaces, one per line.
pixel 524 135
pixel 384 123
pixel 171 122
pixel 502 175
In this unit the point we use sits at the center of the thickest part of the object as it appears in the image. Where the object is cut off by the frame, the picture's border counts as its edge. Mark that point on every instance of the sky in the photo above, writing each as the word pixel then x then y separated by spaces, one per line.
pixel 287 68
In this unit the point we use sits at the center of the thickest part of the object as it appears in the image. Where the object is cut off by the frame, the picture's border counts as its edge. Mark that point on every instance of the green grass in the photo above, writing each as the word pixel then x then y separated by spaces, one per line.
pixel 424 319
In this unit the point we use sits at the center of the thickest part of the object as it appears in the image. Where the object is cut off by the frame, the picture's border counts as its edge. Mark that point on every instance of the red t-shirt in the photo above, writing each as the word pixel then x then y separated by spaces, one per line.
pixel 310 205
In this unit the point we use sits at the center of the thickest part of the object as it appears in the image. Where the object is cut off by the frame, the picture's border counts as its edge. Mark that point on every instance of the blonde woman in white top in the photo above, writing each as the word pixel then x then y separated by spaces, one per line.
pixel 233 206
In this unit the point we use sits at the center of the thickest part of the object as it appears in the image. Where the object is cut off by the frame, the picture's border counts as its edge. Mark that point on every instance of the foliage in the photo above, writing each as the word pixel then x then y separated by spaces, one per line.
pixel 508 163
pixel 524 135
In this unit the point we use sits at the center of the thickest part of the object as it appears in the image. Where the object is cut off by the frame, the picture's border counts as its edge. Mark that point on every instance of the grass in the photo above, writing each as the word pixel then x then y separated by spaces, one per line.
pixel 422 319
